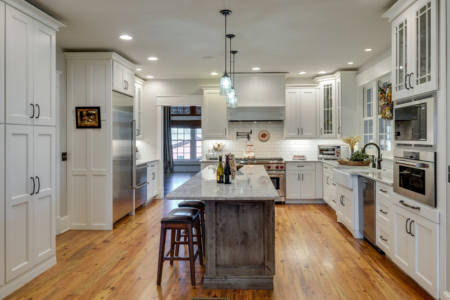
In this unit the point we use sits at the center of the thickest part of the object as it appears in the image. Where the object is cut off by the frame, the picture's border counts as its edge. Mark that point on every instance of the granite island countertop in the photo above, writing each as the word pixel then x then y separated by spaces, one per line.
pixel 251 183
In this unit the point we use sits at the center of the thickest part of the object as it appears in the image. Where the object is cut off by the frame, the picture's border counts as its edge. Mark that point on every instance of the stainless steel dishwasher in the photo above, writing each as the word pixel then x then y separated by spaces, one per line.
pixel 367 199
pixel 140 193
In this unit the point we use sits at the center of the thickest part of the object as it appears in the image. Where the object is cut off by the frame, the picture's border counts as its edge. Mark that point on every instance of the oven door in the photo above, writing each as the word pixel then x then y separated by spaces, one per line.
pixel 415 180
pixel 414 122
pixel 278 181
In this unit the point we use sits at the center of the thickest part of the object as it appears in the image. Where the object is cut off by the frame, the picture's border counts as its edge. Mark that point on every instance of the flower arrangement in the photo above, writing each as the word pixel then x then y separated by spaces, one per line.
pixel 351 141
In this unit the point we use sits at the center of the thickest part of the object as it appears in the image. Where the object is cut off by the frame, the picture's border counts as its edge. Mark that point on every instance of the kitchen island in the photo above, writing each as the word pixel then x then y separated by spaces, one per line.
pixel 240 227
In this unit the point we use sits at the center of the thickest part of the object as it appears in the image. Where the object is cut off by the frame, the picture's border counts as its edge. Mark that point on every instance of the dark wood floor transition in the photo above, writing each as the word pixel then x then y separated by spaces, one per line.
pixel 316 258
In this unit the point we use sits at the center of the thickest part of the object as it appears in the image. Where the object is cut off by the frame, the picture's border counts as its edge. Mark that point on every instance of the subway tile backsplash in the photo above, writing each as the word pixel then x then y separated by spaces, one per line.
pixel 275 147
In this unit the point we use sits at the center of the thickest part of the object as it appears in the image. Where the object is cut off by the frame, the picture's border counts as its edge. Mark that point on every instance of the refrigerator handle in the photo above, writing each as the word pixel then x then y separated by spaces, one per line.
pixel 133 154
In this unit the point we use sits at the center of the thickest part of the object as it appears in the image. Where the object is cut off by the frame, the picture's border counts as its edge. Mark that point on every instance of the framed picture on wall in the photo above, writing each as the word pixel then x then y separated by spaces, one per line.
pixel 88 117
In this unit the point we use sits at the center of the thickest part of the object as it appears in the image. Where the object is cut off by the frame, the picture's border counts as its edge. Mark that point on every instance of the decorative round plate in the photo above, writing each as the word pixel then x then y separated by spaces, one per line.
pixel 263 136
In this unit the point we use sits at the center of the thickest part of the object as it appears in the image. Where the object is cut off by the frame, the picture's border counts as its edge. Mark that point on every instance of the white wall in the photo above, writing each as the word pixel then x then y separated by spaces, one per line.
pixel 376 67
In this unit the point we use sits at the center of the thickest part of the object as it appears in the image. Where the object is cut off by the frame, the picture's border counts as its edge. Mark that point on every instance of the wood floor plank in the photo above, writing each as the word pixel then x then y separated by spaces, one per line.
pixel 316 258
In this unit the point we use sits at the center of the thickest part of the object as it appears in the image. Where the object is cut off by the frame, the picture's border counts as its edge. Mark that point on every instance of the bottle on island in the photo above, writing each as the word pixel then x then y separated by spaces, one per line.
pixel 227 171
pixel 219 171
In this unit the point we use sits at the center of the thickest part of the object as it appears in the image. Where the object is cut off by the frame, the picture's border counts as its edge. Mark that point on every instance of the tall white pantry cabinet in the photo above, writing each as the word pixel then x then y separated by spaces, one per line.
pixel 27 143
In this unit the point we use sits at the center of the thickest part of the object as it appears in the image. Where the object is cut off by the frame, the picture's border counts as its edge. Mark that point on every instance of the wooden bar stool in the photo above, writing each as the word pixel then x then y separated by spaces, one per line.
pixel 186 219
pixel 200 205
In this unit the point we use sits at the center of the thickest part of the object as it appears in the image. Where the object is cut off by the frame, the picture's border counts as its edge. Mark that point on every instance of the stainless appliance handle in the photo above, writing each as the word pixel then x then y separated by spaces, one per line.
pixel 133 154
pixel 414 165
pixel 402 202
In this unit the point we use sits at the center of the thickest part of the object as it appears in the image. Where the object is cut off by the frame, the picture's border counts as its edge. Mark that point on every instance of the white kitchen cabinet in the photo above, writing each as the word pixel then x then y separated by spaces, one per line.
pixel 20 190
pixel 123 79
pixel 384 218
pixel 329 187
pixel 214 115
pixel 347 124
pixel 139 86
pixel 327 108
pixel 152 178
pixel 2 62
pixel 30 197
pixel 345 207
pixel 416 248
pixel 302 182
pixel 415 49
pixel 30 70
pixel 301 113
pixel 2 204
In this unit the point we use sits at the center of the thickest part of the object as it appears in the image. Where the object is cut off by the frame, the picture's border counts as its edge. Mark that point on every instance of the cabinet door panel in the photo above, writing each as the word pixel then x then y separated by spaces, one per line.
pixel 291 122
pixel 426 254
pixel 2 62
pixel 293 185
pixel 19 186
pixel 401 35
pixel 19 81
pixel 402 251
pixel 327 109
pixel 44 201
pixel 214 115
pixel 308 113
pixel 44 75
pixel 308 184
pixel 138 109
pixel 118 77
pixel 2 203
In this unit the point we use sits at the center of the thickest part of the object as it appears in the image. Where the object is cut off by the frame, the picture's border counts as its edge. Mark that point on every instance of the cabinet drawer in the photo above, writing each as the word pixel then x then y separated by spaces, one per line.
pixel 384 238
pixel 384 210
pixel 384 190
pixel 300 166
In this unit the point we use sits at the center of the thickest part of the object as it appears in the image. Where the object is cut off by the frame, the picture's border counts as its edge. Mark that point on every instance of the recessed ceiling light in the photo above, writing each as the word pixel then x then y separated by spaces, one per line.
pixel 152 58
pixel 150 76
pixel 322 72
pixel 125 37
pixel 256 68
pixel 350 63
pixel 368 49
pixel 214 73
pixel 138 69
pixel 302 73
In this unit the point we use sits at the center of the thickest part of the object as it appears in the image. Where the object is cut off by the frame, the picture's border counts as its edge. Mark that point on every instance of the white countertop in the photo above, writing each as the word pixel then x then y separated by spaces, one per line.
pixel 251 183
pixel 144 161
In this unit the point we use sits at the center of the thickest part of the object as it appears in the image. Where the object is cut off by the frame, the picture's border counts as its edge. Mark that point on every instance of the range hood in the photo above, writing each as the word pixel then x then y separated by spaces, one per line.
pixel 249 114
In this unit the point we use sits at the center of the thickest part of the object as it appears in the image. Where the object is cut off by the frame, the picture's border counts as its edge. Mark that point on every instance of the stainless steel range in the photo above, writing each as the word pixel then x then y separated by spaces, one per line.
pixel 276 169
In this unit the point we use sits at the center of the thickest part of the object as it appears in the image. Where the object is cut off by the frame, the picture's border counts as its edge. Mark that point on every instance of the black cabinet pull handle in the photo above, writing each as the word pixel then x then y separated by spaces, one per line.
pixel 402 202
pixel 39 184
pixel 406 81
pixel 39 111
pixel 383 212
pixel 409 80
pixel 34 186
pixel 32 116
pixel 410 228
pixel 406 226
pixel 383 239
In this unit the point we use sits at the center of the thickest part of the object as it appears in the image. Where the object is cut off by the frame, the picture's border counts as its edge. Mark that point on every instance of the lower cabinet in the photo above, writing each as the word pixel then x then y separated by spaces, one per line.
pixel 30 197
pixel 302 182
pixel 415 248
pixel 152 177
pixel 345 208
pixel 329 187
pixel 2 202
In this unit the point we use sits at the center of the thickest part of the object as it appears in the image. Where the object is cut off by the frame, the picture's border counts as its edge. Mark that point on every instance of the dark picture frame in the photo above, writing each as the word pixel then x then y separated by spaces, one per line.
pixel 88 117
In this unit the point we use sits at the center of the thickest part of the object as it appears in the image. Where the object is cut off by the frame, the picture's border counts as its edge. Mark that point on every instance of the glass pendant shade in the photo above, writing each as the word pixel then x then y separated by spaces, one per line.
pixel 231 94
pixel 225 84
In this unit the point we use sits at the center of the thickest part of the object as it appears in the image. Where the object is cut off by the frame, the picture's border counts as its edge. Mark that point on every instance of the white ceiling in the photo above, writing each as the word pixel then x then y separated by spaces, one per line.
pixel 187 35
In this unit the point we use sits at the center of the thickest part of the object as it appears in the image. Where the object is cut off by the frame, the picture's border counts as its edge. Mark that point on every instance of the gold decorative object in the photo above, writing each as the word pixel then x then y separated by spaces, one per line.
pixel 351 141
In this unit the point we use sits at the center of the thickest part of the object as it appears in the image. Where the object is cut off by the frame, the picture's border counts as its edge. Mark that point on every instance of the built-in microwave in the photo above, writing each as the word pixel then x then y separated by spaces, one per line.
pixel 415 122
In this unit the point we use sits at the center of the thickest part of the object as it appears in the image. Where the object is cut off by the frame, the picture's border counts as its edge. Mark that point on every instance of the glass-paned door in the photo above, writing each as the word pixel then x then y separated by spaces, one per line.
pixel 327 110
pixel 400 28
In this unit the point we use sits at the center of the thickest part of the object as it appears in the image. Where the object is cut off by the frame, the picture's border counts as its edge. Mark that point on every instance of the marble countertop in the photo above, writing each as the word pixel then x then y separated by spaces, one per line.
pixel 144 161
pixel 251 183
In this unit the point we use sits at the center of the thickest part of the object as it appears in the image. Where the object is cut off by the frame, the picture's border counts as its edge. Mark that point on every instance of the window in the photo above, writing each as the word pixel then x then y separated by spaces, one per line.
pixel 187 143
pixel 375 128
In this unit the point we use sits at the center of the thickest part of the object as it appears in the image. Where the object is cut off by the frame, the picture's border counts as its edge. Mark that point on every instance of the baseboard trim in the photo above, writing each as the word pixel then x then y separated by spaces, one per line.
pixel 62 224
pixel 306 201
pixel 91 227
pixel 20 281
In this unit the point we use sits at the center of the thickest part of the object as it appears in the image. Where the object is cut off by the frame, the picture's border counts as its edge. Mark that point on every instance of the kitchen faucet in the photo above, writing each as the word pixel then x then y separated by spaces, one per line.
pixel 379 158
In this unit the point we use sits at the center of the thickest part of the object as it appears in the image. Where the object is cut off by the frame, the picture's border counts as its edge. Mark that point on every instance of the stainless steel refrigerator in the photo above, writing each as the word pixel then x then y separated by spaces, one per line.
pixel 123 153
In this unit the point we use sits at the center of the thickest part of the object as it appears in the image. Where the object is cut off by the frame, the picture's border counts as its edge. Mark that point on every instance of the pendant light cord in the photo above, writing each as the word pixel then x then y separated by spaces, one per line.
pixel 232 83
pixel 225 44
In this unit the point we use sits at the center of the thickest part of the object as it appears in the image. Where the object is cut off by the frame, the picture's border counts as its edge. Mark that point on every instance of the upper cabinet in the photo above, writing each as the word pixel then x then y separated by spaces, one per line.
pixel 123 78
pixel 414 48
pixel 30 70
pixel 256 90
pixel 327 108
pixel 139 87
pixel 301 113
pixel 214 115
pixel 346 104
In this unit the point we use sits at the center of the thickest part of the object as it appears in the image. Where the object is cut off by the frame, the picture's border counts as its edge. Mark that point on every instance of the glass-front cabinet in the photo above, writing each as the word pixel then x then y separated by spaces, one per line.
pixel 327 109
pixel 414 48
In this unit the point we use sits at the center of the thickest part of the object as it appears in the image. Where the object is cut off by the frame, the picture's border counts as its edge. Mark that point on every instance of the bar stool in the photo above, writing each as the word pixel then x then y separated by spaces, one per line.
pixel 200 205
pixel 186 219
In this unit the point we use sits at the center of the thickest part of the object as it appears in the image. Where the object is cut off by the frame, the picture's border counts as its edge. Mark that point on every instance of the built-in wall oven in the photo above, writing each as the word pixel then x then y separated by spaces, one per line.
pixel 415 175
pixel 414 122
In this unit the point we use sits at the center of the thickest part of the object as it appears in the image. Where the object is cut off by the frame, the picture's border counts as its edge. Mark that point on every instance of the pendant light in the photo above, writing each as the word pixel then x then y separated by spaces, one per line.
pixel 225 81
pixel 234 100
pixel 230 93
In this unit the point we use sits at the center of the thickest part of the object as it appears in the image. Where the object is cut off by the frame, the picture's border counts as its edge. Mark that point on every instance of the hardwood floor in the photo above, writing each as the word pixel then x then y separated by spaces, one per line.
pixel 316 258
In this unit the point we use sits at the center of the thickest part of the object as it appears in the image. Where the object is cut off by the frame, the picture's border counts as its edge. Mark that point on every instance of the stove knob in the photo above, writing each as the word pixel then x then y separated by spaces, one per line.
pixel 268 167
pixel 281 167
pixel 276 167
